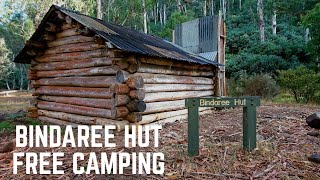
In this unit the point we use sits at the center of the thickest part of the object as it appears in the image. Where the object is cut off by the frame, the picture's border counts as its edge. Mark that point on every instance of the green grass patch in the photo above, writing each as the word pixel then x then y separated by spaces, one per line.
pixel 284 98
pixel 33 122
pixel 6 126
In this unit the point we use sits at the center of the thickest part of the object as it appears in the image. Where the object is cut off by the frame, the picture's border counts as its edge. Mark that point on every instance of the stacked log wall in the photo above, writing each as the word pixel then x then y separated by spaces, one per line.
pixel 78 78
pixel 74 80
pixel 159 88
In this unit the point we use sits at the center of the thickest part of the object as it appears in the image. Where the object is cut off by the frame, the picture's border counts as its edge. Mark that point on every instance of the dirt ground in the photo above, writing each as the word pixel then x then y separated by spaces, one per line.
pixel 283 148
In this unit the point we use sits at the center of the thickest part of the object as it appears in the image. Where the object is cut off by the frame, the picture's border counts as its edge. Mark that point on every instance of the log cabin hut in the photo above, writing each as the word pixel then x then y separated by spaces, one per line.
pixel 87 71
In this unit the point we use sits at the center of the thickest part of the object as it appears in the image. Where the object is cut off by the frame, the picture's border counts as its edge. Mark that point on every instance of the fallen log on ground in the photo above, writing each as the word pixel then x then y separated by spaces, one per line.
pixel 94 81
pixel 74 109
pixel 75 91
pixel 169 96
pixel 107 70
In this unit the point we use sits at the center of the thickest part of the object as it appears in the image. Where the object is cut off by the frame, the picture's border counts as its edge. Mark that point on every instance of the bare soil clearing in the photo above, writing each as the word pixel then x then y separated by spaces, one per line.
pixel 283 148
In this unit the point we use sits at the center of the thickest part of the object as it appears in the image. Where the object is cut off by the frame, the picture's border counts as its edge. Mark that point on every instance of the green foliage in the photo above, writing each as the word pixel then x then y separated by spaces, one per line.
pixel 300 82
pixel 15 115
pixel 262 85
pixel 311 20
pixel 255 64
pixel 6 126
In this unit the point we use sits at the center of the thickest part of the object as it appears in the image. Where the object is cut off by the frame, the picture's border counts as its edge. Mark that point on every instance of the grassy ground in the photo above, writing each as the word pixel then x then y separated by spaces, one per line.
pixel 283 148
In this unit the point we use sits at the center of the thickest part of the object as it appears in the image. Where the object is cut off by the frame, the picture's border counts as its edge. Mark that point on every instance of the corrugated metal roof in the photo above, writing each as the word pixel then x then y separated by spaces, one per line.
pixel 121 37
pixel 212 56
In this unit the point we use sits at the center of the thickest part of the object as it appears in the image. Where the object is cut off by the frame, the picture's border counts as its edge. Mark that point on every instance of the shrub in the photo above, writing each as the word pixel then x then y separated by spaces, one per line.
pixel 262 85
pixel 300 82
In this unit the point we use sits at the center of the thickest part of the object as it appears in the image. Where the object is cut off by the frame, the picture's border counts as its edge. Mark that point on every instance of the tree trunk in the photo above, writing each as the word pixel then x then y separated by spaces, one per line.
pixel 164 13
pixel 21 76
pixel 7 84
pixel 145 30
pixel 274 23
pixel 205 8
pixel 307 35
pixel 99 9
pixel 261 20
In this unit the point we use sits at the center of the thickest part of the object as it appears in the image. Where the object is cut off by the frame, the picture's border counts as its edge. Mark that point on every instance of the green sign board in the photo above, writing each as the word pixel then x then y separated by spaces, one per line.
pixel 249 105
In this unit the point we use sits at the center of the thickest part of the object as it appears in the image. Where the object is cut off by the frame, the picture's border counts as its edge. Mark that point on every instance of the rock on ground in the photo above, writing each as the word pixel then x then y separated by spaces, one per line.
pixel 314 120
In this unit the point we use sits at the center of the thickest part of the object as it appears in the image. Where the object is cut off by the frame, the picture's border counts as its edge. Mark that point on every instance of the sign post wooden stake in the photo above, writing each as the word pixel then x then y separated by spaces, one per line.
pixel 249 105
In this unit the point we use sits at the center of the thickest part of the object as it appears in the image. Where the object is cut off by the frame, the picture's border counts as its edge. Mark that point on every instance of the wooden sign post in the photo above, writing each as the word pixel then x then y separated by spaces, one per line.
pixel 249 105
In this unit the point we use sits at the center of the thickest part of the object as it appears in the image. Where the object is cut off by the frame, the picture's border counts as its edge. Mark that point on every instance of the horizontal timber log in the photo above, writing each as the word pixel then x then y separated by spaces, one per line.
pixel 121 64
pixel 166 79
pixel 79 47
pixel 75 92
pixel 168 62
pixel 123 76
pixel 70 40
pixel 49 37
pixel 56 121
pixel 155 107
pixel 105 70
pixel 83 119
pixel 93 81
pixel 169 96
pixel 76 64
pixel 68 117
pixel 88 102
pixel 178 118
pixel 73 109
pixel 176 87
pixel 67 33
pixel 139 94
pixel 149 118
pixel 79 55
pixel 157 69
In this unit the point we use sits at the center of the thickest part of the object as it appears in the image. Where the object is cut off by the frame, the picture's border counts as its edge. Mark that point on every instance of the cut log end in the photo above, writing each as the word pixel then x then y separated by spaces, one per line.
pixel 133 117
pixel 122 76
pixel 121 112
pixel 137 94
pixel 136 106
pixel 135 82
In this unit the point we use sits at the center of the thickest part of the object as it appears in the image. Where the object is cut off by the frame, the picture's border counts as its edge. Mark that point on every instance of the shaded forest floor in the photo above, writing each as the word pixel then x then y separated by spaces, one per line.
pixel 283 148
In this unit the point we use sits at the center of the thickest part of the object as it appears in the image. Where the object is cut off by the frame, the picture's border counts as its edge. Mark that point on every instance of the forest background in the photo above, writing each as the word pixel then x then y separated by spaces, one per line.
pixel 273 46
